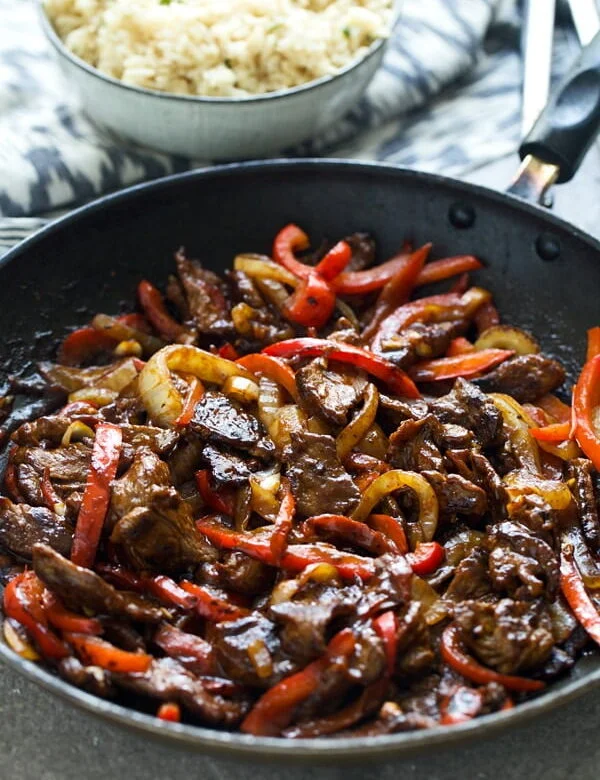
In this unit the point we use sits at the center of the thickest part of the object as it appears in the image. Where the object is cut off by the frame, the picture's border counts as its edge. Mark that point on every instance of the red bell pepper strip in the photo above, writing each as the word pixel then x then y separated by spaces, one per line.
pixel 460 285
pixel 392 528
pixel 312 302
pixel 574 591
pixel 94 651
pixel 555 432
pixel 136 321
pixel 421 310
pixel 454 655
pixel 276 708
pixel 289 240
pixel 11 484
pixel 297 556
pixel 586 399
pixel 334 261
pixel 169 711
pixel 82 345
pixel 65 620
pixel 351 532
pixel 211 606
pixel 273 368
pixel 398 380
pixel 426 558
pixel 180 644
pixel 593 345
pixel 486 316
pixel 461 365
pixel 228 351
pixel 49 495
pixel 438 270
pixel 459 346
pixel 23 603
pixel 386 626
pixel 155 310
pixel 161 587
pixel 221 501
pixel 105 459
pixel 397 291
pixel 362 282
pixel 461 706
pixel 283 522
pixel 195 393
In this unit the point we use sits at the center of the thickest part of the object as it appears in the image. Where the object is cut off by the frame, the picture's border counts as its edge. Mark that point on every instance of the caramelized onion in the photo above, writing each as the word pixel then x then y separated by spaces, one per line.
pixel 357 429
pixel 507 337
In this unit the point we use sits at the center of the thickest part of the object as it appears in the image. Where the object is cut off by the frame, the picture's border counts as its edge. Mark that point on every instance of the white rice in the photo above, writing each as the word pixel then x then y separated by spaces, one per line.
pixel 225 48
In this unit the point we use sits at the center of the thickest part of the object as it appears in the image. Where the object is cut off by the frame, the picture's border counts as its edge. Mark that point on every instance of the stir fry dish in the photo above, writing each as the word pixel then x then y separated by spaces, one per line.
pixel 304 499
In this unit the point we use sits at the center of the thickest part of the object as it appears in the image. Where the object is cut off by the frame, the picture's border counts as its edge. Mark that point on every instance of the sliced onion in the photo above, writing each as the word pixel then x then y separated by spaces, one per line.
pixel 357 429
pixel 395 480
pixel 434 609
pixel 159 395
pixel 317 424
pixel 119 376
pixel 271 397
pixel 76 431
pixel 507 337
pixel 129 348
pixel 241 389
pixel 260 658
pixel 374 443
pixel 461 544
pixel 284 591
pixel 262 267
pixel 273 291
pixel 119 331
pixel 98 396
pixel 555 493
pixel 17 643
pixel 242 316
pixel 290 420
pixel 263 500
pixel 517 424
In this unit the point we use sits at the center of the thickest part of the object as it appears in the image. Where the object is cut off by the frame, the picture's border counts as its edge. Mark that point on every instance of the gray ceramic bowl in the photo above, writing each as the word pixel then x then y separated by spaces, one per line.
pixel 217 128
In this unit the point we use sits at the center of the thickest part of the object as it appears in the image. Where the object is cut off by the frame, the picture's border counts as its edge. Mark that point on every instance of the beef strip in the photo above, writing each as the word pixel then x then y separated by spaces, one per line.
pixel 159 440
pixel 319 481
pixel 234 641
pixel 305 618
pixel 509 636
pixel 221 420
pixel 266 325
pixel 169 680
pixel 208 307
pixel 84 591
pixel 526 378
pixel 91 678
pixel 422 341
pixel 534 512
pixel 368 661
pixel 467 406
pixel 363 251
pixel 162 535
pixel 69 464
pixel 137 486
pixel 412 446
pixel 396 410
pixel 522 565
pixel 471 578
pixel 581 471
pixel 456 495
pixel 227 468
pixel 49 429
pixel 242 574
pixel 330 393
pixel 23 526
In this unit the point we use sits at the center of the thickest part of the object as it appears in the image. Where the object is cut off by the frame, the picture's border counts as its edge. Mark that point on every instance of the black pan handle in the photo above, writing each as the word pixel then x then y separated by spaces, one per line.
pixel 568 125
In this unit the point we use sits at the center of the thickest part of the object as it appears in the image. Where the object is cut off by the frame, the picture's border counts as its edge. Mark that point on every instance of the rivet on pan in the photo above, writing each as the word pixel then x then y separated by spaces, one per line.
pixel 461 215
pixel 547 246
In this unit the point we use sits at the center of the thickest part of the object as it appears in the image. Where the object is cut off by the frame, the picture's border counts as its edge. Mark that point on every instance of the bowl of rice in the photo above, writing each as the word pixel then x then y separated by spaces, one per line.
pixel 218 79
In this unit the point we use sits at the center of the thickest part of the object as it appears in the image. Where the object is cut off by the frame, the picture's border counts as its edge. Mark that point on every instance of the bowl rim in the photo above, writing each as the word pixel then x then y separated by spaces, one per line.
pixel 279 94
pixel 334 749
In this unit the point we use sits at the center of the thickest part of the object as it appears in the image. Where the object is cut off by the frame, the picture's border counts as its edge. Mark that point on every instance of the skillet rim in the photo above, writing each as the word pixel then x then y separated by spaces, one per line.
pixel 272 748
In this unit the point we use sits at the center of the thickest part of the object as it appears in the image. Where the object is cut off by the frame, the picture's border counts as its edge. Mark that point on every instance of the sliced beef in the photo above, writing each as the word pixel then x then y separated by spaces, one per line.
pixel 526 378
pixel 237 644
pixel 304 619
pixel 90 678
pixel 228 468
pixel 169 680
pixel 471 579
pixel 388 588
pixel 396 410
pixel 368 661
pixel 522 565
pixel 185 460
pixel 45 429
pixel 23 526
pixel 467 406
pixel 581 471
pixel 330 393
pixel 69 464
pixel 422 341
pixel 456 495
pixel 319 481
pixel 138 485
pixel 162 534
pixel 534 512
pixel 509 636
pixel 242 574
pixel 221 420
pixel 159 440
pixel 264 325
pixel 412 446
pixel 206 302
pixel 363 251
pixel 84 591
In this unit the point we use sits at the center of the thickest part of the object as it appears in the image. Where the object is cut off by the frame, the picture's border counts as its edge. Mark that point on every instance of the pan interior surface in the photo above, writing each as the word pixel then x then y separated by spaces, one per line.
pixel 542 272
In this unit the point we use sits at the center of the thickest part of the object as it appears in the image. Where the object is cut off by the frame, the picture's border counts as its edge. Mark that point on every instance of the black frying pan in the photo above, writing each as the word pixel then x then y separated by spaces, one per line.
pixel 544 273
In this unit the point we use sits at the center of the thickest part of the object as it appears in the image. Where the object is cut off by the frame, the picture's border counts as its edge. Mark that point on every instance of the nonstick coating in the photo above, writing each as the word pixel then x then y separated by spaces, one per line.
pixel 92 260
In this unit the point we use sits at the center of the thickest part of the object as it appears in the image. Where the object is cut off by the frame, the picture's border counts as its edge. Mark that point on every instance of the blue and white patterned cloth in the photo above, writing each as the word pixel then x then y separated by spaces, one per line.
pixel 447 99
